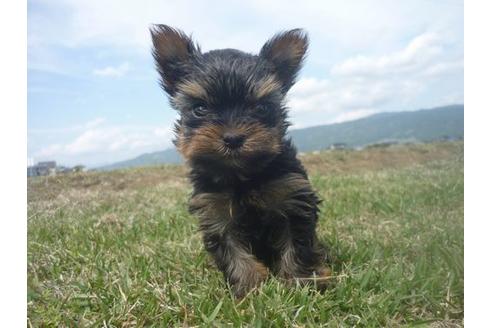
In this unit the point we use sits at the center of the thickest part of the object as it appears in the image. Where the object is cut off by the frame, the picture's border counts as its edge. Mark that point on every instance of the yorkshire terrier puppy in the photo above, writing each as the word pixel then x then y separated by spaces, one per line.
pixel 255 205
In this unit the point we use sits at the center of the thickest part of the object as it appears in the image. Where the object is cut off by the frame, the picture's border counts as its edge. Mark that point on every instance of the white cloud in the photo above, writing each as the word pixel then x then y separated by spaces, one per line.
pixel 360 24
pixel 354 115
pixel 416 55
pixel 69 129
pixel 322 101
pixel 111 71
pixel 49 151
pixel 95 122
pixel 110 142
pixel 444 68
pixel 93 140
pixel 163 132
pixel 362 85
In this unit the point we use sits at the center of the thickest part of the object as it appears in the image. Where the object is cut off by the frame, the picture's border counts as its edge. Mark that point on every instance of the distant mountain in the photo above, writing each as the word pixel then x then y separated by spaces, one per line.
pixel 419 126
pixel 168 156
pixel 422 125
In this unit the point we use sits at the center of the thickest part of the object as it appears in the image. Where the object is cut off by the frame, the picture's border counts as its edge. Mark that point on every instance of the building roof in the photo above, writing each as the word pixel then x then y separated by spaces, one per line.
pixel 48 164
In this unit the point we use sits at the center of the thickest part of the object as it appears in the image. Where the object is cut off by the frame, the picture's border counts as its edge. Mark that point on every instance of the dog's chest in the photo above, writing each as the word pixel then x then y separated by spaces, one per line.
pixel 273 199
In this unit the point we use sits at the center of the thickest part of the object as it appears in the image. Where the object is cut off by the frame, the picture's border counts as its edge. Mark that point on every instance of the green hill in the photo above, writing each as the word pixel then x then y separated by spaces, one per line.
pixel 422 125
pixel 415 126
pixel 168 156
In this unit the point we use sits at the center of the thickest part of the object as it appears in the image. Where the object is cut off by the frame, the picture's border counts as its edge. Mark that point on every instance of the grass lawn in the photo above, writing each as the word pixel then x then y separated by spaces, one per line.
pixel 119 249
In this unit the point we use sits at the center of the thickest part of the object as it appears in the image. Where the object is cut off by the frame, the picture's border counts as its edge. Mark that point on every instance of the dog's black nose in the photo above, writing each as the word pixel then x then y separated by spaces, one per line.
pixel 233 140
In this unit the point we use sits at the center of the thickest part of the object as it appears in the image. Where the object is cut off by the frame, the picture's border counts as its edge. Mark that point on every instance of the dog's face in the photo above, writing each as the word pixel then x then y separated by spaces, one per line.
pixel 231 103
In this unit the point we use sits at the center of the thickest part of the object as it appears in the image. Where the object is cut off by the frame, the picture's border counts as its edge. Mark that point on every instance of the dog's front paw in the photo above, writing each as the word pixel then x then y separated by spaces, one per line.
pixel 248 278
pixel 322 278
pixel 319 278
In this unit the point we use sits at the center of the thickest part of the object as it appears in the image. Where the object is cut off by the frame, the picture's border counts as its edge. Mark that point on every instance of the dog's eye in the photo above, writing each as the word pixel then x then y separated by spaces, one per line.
pixel 199 111
pixel 262 108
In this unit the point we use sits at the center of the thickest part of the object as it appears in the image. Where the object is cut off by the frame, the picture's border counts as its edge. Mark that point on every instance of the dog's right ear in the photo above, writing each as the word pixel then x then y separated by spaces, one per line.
pixel 172 51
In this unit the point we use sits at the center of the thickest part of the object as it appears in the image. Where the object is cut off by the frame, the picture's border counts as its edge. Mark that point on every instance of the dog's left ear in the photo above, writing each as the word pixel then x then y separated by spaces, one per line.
pixel 286 51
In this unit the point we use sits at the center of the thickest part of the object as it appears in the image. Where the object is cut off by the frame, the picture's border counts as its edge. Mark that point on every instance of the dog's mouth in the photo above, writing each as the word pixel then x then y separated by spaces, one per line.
pixel 240 147
pixel 227 161
pixel 246 155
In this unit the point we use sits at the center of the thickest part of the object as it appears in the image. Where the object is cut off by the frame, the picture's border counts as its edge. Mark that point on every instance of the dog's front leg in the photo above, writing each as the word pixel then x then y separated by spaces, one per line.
pixel 302 257
pixel 233 257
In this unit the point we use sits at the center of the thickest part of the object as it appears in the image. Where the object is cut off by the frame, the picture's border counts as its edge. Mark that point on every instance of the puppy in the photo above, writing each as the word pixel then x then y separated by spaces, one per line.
pixel 255 205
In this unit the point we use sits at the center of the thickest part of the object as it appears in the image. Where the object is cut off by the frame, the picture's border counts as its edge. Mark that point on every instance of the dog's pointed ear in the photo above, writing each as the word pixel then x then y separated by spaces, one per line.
pixel 286 51
pixel 172 51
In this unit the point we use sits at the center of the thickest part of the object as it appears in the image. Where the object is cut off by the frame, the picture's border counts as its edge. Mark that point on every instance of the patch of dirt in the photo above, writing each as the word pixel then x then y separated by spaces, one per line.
pixel 378 158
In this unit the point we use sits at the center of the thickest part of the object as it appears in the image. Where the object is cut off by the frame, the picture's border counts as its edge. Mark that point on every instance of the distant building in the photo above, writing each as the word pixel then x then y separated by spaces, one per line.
pixel 79 168
pixel 384 144
pixel 50 168
pixel 449 138
pixel 63 169
pixel 42 168
pixel 338 145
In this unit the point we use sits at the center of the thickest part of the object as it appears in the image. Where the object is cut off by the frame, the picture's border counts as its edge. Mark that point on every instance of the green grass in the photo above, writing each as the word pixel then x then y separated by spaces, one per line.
pixel 119 248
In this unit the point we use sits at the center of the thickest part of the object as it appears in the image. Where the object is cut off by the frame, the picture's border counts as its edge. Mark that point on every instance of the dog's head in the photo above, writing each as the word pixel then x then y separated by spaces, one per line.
pixel 231 103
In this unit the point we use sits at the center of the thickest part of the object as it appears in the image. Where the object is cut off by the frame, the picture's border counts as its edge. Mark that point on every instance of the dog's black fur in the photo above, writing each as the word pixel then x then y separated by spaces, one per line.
pixel 257 210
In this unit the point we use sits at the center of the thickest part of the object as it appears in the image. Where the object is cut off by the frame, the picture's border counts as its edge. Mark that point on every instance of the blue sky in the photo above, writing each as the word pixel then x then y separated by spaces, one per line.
pixel 93 96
